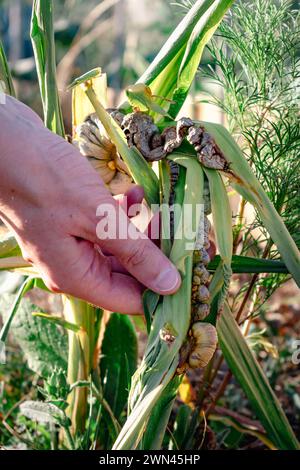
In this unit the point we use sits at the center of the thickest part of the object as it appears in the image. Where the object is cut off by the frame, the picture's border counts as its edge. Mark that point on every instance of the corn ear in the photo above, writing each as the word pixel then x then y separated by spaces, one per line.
pixel 173 313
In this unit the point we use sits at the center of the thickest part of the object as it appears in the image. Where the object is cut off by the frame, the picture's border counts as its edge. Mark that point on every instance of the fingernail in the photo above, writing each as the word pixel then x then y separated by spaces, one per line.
pixel 167 281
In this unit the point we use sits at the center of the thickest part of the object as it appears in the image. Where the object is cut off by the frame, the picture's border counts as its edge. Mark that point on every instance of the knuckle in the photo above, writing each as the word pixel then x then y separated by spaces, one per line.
pixel 138 255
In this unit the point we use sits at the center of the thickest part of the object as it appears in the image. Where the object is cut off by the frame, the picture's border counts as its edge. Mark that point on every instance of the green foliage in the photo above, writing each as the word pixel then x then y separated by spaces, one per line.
pixel 172 71
pixel 201 34
pixel 256 57
pixel 25 287
pixel 118 361
pixel 42 37
pixel 5 75
pixel 156 427
pixel 8 245
pixel 43 343
pixel 181 427
pixel 247 264
pixel 249 374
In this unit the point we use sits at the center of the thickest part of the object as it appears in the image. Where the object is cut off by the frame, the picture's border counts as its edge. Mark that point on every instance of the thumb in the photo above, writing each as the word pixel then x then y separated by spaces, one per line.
pixel 137 253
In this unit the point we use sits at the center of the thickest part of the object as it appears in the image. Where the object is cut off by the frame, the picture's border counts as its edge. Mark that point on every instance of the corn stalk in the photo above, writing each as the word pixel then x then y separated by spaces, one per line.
pixel 80 360
pixel 42 37
pixel 77 312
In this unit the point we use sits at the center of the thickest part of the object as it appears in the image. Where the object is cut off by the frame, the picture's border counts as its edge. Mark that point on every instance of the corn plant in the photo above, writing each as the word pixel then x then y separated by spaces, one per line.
pixel 196 159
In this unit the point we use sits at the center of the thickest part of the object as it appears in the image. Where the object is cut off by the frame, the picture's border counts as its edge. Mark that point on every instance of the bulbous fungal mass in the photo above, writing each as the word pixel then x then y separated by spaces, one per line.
pixel 200 294
pixel 202 256
pixel 199 348
pixel 200 312
pixel 204 343
pixel 140 130
pixel 206 148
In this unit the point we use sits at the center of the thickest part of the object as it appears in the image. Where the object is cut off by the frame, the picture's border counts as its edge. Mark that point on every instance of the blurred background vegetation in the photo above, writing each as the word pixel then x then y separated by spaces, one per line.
pixel 121 36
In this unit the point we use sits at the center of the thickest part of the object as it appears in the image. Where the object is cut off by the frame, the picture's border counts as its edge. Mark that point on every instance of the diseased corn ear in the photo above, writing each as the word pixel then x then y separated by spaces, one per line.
pixel 171 321
pixel 90 137
pixel 139 169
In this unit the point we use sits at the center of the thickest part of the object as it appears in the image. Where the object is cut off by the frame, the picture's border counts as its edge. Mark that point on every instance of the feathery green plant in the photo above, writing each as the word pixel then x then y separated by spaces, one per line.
pixel 257 64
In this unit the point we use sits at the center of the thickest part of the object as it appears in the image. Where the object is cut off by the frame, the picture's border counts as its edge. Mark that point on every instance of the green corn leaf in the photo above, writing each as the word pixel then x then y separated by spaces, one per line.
pixel 176 44
pixel 42 37
pixel 200 36
pixel 250 376
pixel 25 287
pixel 172 71
pixel 118 362
pixel 221 213
pixel 150 301
pixel 117 365
pixel 158 421
pixel 181 427
pixel 141 172
pixel 247 264
pixel 222 219
pixel 173 313
pixel 5 75
pixel 56 320
pixel 242 428
pixel 91 74
pixel 244 181
pixel 8 245
pixel 133 429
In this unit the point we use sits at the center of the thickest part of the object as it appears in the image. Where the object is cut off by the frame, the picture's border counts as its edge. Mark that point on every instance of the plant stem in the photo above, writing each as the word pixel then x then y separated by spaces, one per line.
pixel 239 225
pixel 81 349
pixel 69 437
pixel 219 393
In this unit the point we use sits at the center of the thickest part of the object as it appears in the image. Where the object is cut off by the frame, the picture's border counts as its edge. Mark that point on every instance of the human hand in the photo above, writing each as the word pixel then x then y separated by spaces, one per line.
pixel 49 195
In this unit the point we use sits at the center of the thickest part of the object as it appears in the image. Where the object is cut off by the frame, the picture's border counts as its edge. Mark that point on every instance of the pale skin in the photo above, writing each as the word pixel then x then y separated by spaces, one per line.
pixel 49 194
